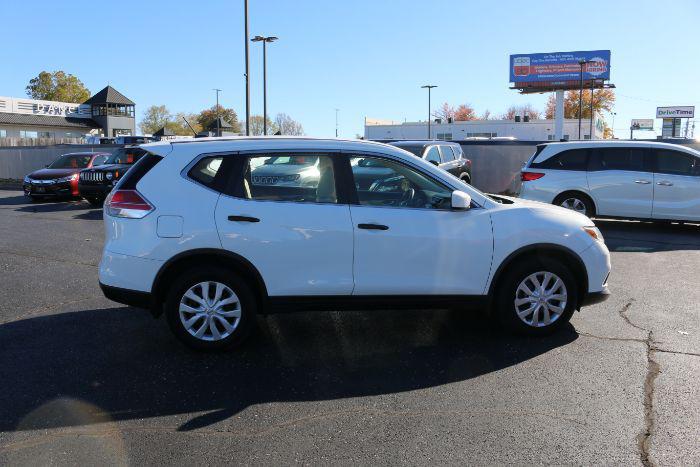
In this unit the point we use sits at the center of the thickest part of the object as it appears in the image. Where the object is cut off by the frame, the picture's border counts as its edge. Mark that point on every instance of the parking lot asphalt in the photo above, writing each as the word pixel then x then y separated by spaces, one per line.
pixel 85 380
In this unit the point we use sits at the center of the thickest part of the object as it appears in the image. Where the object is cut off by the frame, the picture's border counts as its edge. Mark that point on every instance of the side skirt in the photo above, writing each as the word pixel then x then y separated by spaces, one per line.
pixel 284 304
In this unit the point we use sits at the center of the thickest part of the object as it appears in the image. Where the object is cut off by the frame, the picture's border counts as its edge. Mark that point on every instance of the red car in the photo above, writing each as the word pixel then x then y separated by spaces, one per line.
pixel 60 178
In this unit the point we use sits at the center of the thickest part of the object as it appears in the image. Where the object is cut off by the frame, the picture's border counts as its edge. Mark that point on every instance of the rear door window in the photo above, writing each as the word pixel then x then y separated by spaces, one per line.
pixel 676 163
pixel 447 154
pixel 628 159
pixel 572 159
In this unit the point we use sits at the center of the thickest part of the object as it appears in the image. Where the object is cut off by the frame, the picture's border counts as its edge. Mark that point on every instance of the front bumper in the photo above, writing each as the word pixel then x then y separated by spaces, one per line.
pixel 49 189
pixel 94 191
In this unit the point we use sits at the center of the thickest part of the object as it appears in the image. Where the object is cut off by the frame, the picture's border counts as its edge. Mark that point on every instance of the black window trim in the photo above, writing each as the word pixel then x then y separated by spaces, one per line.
pixel 539 165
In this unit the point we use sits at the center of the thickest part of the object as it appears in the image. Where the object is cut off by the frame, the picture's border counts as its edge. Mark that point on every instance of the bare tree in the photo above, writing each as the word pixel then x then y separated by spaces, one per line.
pixel 444 112
pixel 286 125
pixel 521 110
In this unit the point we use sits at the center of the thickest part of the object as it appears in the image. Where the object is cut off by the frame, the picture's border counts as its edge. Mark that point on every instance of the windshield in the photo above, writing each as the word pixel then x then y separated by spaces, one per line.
pixel 125 156
pixel 71 161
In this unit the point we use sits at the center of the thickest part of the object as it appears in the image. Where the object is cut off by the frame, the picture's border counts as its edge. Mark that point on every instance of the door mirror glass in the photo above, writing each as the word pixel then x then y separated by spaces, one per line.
pixel 461 200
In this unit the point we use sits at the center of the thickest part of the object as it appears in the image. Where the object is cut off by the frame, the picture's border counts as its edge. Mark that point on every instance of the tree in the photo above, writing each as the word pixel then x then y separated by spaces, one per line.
pixel 288 126
pixel 603 100
pixel 154 118
pixel 208 116
pixel 444 112
pixel 179 127
pixel 256 126
pixel 521 110
pixel 465 112
pixel 57 86
pixel 486 115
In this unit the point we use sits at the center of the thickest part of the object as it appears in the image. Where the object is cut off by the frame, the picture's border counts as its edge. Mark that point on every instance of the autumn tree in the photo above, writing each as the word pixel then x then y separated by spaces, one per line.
pixel 286 125
pixel 603 100
pixel 208 116
pixel 57 86
pixel 521 110
pixel 444 112
pixel 465 112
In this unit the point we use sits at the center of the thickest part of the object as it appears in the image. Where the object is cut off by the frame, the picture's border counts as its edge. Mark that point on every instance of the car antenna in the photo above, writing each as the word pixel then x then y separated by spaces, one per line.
pixel 188 124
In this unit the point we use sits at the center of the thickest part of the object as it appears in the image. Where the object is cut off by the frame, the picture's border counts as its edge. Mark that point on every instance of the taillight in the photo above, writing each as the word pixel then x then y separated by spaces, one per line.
pixel 127 203
pixel 530 176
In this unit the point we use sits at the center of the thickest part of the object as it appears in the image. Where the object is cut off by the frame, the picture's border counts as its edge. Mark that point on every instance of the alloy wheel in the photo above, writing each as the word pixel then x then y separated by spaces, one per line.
pixel 540 299
pixel 574 204
pixel 210 311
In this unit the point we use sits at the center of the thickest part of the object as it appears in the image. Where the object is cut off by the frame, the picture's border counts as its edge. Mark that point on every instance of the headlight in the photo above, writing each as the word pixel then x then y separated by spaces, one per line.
pixel 109 175
pixel 68 178
pixel 594 233
pixel 27 179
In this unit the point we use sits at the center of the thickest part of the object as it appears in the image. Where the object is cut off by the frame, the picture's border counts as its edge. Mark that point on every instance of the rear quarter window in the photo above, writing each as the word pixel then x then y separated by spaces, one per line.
pixel 206 170
pixel 571 159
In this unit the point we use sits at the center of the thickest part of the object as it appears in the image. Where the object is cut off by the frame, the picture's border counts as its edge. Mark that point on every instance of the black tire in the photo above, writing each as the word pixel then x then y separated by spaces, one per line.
pixel 466 178
pixel 576 195
pixel 33 199
pixel 507 290
pixel 96 202
pixel 239 286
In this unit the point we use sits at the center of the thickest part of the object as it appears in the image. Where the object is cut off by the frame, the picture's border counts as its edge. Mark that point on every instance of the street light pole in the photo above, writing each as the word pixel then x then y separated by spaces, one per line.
pixel 247 71
pixel 218 128
pixel 428 87
pixel 264 41
pixel 591 127
pixel 336 122
pixel 580 95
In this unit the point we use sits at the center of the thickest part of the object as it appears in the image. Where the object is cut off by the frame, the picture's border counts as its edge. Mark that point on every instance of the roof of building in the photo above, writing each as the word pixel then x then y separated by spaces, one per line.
pixel 223 124
pixel 164 132
pixel 47 120
pixel 109 95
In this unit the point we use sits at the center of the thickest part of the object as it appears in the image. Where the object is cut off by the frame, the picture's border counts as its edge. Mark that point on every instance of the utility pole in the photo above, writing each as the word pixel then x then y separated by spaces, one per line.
pixel 247 71
pixel 218 128
pixel 580 94
pixel 591 127
pixel 336 122
pixel 428 87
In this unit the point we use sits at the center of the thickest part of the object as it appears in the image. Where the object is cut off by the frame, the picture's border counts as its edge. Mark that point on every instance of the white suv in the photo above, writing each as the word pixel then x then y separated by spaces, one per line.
pixel 191 233
pixel 630 179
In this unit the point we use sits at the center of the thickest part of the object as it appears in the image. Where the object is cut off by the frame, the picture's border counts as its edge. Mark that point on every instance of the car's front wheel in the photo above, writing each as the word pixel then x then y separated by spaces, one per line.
pixel 536 297
pixel 210 309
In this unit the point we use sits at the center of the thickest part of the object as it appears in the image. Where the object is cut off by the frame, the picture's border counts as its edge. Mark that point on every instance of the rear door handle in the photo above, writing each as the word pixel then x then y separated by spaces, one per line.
pixel 665 183
pixel 373 226
pixel 243 219
pixel 642 182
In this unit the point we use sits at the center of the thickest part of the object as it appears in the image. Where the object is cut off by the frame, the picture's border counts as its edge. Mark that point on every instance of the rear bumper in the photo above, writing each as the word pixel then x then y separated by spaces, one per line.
pixel 134 298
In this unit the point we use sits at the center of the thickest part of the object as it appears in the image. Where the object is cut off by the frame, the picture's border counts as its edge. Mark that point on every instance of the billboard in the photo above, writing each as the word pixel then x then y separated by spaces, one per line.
pixel 642 124
pixel 559 66
pixel 687 111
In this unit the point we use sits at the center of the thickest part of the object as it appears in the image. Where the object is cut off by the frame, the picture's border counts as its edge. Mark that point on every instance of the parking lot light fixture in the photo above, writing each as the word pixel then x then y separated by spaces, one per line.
pixel 428 87
pixel 264 41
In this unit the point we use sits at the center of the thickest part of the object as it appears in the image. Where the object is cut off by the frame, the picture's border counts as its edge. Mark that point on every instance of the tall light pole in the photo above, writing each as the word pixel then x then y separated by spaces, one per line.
pixel 264 41
pixel 247 71
pixel 580 94
pixel 218 129
pixel 590 131
pixel 613 124
pixel 336 122
pixel 428 87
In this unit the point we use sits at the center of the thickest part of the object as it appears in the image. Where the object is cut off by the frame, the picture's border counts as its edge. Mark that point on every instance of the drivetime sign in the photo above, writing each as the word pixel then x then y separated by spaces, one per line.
pixel 687 111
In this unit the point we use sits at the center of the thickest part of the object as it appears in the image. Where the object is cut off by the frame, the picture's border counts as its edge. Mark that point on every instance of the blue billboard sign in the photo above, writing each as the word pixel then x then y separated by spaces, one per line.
pixel 559 66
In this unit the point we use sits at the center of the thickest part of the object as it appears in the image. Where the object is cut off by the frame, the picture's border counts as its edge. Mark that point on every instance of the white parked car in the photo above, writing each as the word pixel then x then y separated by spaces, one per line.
pixel 190 234
pixel 627 179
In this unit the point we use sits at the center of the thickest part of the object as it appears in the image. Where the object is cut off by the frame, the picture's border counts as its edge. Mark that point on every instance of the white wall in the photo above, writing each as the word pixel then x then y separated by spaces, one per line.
pixel 534 130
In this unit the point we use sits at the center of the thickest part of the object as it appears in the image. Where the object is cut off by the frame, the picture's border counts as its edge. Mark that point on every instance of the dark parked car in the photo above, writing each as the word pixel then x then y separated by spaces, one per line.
pixel 447 156
pixel 60 178
pixel 94 184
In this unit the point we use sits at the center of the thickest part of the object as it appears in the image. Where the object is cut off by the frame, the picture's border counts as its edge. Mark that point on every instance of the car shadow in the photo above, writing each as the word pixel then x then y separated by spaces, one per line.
pixel 91 366
pixel 648 237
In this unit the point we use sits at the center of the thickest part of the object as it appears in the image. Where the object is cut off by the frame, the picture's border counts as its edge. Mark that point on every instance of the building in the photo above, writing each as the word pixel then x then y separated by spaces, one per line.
pixel 107 113
pixel 533 130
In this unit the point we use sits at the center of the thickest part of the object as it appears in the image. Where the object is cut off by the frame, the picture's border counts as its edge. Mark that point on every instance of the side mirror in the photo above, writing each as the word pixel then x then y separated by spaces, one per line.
pixel 434 162
pixel 461 201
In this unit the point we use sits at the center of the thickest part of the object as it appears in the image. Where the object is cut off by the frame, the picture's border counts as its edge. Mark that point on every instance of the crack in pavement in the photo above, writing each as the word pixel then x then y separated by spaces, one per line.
pixel 47 258
pixel 653 370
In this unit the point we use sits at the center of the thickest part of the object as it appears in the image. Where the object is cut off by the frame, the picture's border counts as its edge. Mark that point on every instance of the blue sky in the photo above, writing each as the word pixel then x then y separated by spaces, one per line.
pixel 367 58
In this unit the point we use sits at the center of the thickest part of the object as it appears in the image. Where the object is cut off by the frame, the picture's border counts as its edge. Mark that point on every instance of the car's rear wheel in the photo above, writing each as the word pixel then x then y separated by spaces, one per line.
pixel 210 309
pixel 576 202
pixel 536 297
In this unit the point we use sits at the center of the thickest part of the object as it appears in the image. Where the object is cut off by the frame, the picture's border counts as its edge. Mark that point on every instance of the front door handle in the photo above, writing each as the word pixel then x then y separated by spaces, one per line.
pixel 243 219
pixel 373 226
pixel 642 182
pixel 664 183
